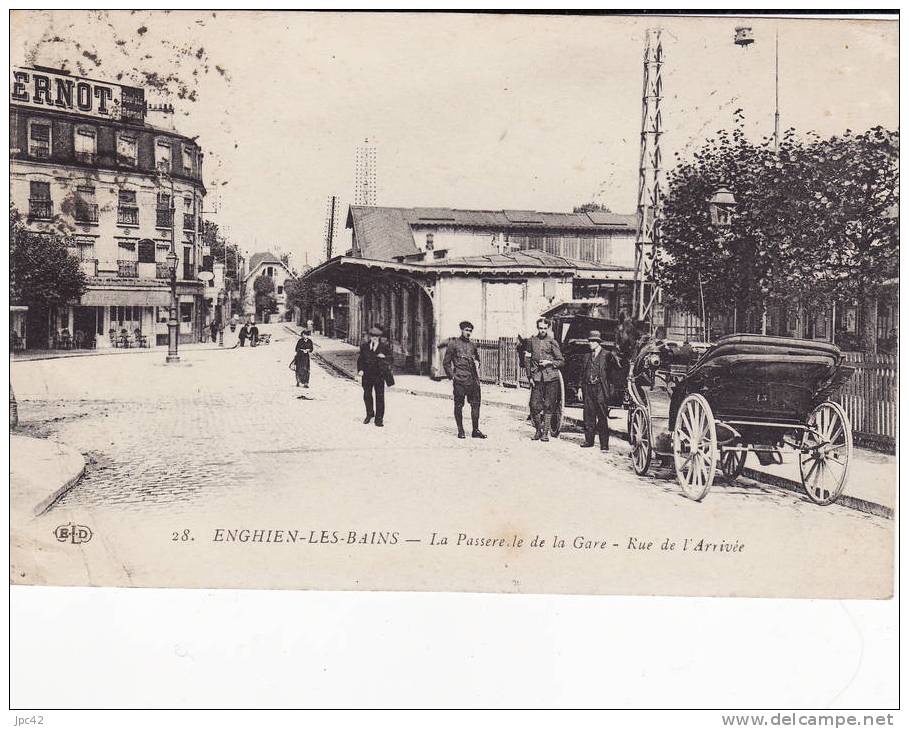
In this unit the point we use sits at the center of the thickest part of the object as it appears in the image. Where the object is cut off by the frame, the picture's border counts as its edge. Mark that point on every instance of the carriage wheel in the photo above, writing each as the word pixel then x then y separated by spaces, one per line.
pixel 639 437
pixel 694 447
pixel 733 463
pixel 825 453
pixel 555 419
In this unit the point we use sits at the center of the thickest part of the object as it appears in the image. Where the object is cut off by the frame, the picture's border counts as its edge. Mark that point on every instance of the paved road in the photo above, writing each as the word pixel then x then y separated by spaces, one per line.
pixel 229 432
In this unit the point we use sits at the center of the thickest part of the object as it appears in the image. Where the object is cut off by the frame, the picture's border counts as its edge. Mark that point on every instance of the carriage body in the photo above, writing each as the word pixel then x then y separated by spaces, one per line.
pixel 748 394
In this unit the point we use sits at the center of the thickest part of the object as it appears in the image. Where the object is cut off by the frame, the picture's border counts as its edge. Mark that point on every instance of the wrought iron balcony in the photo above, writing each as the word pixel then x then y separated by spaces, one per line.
pixel 39 150
pixel 163 217
pixel 86 212
pixel 162 270
pixel 40 208
pixel 87 158
pixel 127 215
pixel 128 269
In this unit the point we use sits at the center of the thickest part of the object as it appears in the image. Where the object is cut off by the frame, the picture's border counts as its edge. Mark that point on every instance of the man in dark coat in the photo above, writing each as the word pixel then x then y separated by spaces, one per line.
pixel 461 364
pixel 545 360
pixel 596 386
pixel 301 359
pixel 244 334
pixel 253 335
pixel 373 365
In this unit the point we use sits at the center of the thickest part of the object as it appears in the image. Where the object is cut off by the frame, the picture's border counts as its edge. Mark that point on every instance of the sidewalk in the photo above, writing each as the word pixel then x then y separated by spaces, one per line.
pixel 871 486
pixel 40 471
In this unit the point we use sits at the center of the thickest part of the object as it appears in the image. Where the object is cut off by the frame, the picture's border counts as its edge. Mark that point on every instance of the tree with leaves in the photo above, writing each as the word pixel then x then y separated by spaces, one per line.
pixel 42 272
pixel 813 223
pixel 591 207
pixel 308 296
pixel 264 289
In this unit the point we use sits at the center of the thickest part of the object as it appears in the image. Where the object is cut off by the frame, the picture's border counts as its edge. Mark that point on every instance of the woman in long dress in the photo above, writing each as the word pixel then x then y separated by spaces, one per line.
pixel 301 359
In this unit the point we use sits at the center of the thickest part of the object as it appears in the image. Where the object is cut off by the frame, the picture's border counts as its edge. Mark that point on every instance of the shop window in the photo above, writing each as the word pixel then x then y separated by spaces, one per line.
pixel 85 143
pixel 39 139
pixel 127 150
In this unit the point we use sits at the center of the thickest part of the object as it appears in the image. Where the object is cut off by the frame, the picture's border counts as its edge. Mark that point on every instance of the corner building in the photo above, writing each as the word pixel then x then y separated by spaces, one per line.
pixel 86 161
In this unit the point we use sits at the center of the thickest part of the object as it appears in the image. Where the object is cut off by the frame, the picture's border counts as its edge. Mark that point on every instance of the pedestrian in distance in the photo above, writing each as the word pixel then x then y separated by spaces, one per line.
pixel 373 371
pixel 595 391
pixel 214 330
pixel 545 361
pixel 253 335
pixel 461 364
pixel 244 334
pixel 301 358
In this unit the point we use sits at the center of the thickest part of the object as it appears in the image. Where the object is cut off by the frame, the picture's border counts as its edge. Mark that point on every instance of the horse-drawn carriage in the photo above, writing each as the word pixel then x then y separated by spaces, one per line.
pixel 747 394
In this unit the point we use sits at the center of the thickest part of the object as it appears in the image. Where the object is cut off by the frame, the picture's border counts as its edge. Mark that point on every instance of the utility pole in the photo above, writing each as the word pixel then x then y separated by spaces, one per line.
pixel 331 224
pixel 650 194
pixel 365 192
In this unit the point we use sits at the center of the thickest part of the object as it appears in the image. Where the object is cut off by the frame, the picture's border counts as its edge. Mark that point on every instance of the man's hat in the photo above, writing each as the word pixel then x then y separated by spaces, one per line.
pixel 594 336
pixel 465 325
pixel 375 331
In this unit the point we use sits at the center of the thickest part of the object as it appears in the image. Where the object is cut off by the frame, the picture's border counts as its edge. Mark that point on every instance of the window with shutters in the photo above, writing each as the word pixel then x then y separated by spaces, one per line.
pixel 39 200
pixel 162 156
pixel 127 210
pixel 127 146
pixel 85 144
pixel 39 139
pixel 86 207
pixel 187 160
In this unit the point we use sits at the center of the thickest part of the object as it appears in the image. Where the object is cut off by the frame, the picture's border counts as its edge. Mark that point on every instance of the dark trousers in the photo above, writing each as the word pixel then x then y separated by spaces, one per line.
pixel 469 391
pixel 303 370
pixel 242 341
pixel 596 415
pixel 543 399
pixel 378 386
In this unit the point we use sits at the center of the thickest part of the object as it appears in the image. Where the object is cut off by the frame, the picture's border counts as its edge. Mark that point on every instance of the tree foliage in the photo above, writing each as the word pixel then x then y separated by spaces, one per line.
pixel 42 272
pixel 591 207
pixel 814 222
pixel 306 294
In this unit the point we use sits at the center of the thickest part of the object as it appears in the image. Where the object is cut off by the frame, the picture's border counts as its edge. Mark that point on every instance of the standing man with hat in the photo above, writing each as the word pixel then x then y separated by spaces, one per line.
pixel 596 389
pixel 461 364
pixel 373 365
pixel 545 360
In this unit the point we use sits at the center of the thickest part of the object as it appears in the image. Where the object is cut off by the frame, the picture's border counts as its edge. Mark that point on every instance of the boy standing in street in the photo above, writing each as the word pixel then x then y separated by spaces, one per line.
pixel 461 364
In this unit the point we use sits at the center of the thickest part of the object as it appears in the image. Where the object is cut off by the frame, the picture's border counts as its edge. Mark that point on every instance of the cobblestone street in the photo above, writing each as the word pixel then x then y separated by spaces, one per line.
pixel 227 432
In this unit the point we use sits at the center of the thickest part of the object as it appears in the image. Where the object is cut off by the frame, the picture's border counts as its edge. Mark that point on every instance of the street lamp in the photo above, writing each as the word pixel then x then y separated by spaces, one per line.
pixel 172 324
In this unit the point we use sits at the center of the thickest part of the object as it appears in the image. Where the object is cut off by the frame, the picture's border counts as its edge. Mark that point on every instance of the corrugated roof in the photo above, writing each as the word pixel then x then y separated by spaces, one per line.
pixel 381 233
pixel 521 259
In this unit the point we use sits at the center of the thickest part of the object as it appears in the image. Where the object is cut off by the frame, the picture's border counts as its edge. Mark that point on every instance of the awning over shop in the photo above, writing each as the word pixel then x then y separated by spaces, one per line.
pixel 126 297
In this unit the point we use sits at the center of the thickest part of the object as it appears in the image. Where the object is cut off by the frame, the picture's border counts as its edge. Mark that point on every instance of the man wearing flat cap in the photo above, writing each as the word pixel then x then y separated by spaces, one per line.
pixel 596 379
pixel 373 367
pixel 544 357
pixel 461 363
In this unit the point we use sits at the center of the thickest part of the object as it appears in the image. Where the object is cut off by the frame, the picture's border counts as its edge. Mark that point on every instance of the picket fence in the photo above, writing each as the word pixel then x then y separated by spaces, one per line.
pixel 869 398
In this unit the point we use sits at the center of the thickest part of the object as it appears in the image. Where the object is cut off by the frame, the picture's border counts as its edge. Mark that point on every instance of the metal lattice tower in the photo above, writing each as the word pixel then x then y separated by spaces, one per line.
pixel 330 229
pixel 650 192
pixel 365 179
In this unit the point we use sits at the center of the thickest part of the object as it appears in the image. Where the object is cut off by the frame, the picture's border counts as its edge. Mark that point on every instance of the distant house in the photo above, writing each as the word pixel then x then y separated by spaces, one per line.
pixel 420 271
pixel 266 264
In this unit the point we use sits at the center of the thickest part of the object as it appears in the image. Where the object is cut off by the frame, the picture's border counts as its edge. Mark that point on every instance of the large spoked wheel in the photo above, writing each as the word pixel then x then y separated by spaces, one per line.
pixel 555 418
pixel 694 447
pixel 641 450
pixel 825 452
pixel 733 463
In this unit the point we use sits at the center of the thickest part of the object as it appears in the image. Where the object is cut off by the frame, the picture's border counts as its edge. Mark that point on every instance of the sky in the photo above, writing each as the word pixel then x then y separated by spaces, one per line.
pixel 465 110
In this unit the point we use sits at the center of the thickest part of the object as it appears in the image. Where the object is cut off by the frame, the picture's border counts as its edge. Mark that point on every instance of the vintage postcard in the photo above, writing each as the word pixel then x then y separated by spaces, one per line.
pixel 454 301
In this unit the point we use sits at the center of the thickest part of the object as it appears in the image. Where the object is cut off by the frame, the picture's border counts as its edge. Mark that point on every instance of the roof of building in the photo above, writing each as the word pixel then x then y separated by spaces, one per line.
pixel 385 233
pixel 267 257
pixel 523 259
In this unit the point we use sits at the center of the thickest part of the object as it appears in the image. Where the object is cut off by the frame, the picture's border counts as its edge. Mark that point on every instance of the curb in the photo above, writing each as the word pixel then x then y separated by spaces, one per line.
pixel 104 353
pixel 55 461
pixel 46 503
pixel 850 502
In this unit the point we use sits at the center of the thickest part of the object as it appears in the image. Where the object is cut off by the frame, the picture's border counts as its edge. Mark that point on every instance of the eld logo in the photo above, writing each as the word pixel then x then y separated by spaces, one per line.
pixel 75 533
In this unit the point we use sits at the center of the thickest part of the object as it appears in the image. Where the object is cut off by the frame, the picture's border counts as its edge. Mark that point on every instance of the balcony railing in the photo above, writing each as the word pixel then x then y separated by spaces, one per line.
pixel 40 209
pixel 128 269
pixel 125 161
pixel 127 216
pixel 163 218
pixel 86 212
pixel 39 150
pixel 189 222
pixel 87 158
pixel 162 270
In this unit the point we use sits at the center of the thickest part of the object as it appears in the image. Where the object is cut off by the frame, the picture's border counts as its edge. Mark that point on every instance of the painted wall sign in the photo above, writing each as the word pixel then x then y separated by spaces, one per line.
pixel 49 90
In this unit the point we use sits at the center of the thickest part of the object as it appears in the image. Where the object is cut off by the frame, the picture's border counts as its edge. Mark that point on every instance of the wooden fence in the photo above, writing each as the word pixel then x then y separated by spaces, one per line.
pixel 870 398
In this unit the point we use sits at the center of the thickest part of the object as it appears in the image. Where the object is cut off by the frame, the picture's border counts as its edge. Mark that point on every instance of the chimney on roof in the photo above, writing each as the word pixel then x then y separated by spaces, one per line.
pixel 161 115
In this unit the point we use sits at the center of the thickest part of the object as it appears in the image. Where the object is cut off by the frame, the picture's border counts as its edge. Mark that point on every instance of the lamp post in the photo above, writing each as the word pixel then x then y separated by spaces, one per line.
pixel 721 205
pixel 173 356
pixel 220 318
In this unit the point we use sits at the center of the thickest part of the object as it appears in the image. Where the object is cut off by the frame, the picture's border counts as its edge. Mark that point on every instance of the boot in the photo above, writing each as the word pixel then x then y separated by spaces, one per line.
pixel 536 423
pixel 604 439
pixel 475 419
pixel 545 436
pixel 459 420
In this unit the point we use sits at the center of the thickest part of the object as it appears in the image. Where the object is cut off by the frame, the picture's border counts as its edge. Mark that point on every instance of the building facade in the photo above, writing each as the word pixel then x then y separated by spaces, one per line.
pixel 418 272
pixel 86 161
pixel 266 264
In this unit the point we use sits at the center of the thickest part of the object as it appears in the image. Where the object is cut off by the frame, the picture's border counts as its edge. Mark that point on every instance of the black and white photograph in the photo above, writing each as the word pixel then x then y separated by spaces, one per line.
pixel 469 302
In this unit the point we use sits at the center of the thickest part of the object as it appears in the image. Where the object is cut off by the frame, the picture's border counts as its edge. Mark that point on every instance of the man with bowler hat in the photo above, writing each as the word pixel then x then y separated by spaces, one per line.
pixel 373 365
pixel 596 384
